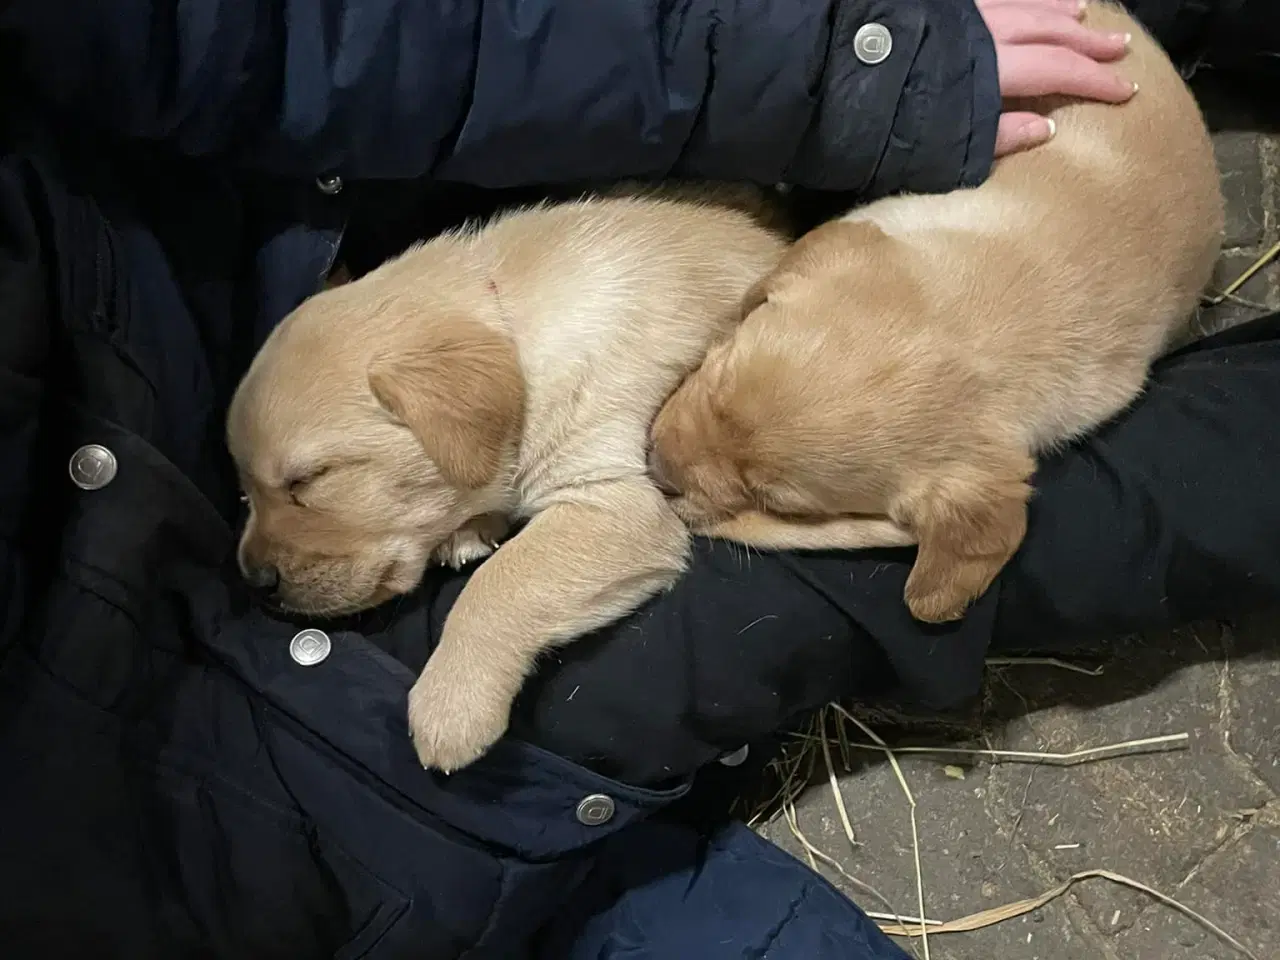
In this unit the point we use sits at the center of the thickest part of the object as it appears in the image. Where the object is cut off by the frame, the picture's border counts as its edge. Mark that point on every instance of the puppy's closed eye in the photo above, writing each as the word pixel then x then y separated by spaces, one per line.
pixel 296 486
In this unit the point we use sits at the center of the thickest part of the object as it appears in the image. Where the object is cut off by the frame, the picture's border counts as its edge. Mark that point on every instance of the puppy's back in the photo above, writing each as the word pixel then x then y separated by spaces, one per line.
pixel 1135 183
pixel 1130 216
pixel 1068 271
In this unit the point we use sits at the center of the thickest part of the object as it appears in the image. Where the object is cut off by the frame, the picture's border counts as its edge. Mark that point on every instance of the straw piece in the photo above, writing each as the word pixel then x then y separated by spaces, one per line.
pixel 793 823
pixel 1045 662
pixel 875 915
pixel 1245 277
pixel 845 756
pixel 988 918
pixel 1173 741
pixel 915 829
pixel 833 781
pixel 793 784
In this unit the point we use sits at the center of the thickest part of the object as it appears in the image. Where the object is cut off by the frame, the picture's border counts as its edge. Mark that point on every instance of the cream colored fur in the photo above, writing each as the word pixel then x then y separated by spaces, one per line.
pixel 503 374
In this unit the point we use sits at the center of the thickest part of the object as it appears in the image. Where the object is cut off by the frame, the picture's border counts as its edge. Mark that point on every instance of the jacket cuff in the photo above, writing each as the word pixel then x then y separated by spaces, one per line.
pixel 921 117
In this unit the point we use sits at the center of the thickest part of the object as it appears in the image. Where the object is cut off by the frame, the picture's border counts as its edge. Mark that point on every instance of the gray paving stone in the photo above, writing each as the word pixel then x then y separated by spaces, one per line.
pixel 1153 818
pixel 1238 890
pixel 1009 831
pixel 1243 187
pixel 969 862
pixel 1252 725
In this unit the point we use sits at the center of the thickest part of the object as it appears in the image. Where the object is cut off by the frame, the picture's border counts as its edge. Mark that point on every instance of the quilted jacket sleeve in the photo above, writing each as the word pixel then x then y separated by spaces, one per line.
pixel 501 93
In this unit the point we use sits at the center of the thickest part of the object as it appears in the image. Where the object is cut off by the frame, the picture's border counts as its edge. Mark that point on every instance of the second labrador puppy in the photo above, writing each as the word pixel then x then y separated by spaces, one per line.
pixel 505 373
pixel 900 370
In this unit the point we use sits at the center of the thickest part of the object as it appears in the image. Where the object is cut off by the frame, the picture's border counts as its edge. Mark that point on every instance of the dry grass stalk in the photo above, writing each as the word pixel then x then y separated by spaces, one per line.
pixel 1129 748
pixel 1244 278
pixel 923 928
pixel 833 780
pixel 790 770
pixel 1044 662
pixel 900 921
pixel 988 918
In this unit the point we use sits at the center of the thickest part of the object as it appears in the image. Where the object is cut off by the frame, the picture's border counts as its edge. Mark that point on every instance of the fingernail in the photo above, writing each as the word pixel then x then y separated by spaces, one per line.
pixel 1125 38
pixel 1038 131
pixel 1135 87
pixel 1053 127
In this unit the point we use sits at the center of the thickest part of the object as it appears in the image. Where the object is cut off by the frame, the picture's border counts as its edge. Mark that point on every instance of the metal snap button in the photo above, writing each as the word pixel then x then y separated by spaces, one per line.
pixel 330 186
pixel 872 43
pixel 92 467
pixel 737 758
pixel 596 810
pixel 309 647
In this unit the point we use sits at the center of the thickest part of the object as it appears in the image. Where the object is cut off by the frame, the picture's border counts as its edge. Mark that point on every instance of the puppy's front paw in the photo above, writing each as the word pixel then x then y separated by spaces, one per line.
pixel 477 540
pixel 463 547
pixel 454 716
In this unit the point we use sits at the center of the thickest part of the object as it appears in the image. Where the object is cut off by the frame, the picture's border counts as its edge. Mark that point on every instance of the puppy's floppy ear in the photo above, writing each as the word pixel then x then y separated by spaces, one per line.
pixel 461 392
pixel 819 249
pixel 969 522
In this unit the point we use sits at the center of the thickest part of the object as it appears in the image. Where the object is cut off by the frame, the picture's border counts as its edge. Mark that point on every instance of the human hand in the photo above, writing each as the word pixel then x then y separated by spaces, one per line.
pixel 1043 49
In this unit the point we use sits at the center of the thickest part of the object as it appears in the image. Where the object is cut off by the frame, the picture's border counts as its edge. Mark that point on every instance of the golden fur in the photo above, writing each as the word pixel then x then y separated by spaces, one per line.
pixel 899 371
pixel 508 373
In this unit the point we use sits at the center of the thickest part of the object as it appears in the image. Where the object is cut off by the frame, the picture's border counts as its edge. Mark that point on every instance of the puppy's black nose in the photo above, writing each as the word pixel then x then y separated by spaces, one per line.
pixel 264 579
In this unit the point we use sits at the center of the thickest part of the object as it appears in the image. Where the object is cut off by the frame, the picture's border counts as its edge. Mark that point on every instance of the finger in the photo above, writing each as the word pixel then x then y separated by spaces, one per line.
pixel 1021 131
pixel 1035 70
pixel 1019 26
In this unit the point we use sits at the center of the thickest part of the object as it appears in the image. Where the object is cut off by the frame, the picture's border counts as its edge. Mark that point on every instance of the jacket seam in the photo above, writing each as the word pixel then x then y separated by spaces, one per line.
pixel 782 924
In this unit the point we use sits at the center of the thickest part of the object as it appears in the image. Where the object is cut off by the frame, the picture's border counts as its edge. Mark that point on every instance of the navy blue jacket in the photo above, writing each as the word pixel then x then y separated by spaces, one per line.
pixel 176 782
pixel 186 787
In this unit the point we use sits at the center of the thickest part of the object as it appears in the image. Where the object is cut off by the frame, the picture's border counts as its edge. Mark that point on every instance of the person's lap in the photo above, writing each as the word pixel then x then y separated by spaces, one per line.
pixel 1167 515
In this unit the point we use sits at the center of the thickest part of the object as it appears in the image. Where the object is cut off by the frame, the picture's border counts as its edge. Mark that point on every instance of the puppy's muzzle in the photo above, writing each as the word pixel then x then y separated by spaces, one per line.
pixel 263 580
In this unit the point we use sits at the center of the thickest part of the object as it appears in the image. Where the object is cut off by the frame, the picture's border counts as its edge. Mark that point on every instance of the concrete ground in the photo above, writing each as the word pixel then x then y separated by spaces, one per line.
pixel 1201 825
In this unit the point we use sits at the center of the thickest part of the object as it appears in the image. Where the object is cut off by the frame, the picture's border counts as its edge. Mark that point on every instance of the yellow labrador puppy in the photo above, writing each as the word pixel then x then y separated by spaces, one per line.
pixel 505 373
pixel 900 370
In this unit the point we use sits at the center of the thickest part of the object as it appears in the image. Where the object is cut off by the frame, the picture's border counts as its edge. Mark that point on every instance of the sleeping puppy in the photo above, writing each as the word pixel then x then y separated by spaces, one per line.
pixel 900 370
pixel 506 373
